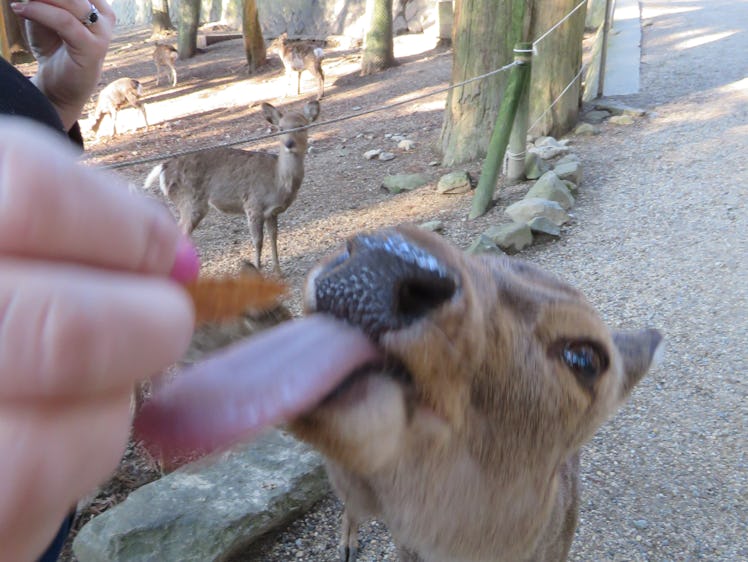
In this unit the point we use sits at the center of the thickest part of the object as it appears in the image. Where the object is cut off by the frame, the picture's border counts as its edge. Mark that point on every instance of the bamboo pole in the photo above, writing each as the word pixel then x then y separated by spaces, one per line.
pixel 518 78
pixel 516 153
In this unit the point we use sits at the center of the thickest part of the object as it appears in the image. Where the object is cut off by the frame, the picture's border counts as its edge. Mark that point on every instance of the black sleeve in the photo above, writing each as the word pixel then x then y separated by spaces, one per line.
pixel 18 96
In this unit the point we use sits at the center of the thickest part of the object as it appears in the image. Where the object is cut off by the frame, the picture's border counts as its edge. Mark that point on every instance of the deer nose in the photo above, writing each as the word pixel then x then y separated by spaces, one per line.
pixel 383 282
pixel 289 143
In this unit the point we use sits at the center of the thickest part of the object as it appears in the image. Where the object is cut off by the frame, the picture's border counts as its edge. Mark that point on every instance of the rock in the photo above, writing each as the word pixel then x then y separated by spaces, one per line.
pixel 398 138
pixel 511 237
pixel 206 511
pixel 388 135
pixel 434 163
pixel 550 141
pixel 529 208
pixel 586 129
pixel 454 183
pixel 568 158
pixel 385 156
pixel 641 524
pixel 372 154
pixel 550 187
pixel 596 116
pixel 619 108
pixel 544 225
pixel 313 150
pixel 369 136
pixel 433 226
pixel 398 183
pixel 571 171
pixel 482 245
pixel 406 144
pixel 356 108
pixel 548 152
pixel 621 120
pixel 343 152
pixel 535 166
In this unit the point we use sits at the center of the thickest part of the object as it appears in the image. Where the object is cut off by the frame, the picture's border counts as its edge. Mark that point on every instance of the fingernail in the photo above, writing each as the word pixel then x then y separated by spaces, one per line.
pixel 17 7
pixel 186 263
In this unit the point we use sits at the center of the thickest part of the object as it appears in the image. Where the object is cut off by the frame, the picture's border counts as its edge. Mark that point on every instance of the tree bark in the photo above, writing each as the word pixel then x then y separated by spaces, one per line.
pixel 483 40
pixel 189 19
pixel 254 44
pixel 378 45
pixel 160 19
pixel 558 60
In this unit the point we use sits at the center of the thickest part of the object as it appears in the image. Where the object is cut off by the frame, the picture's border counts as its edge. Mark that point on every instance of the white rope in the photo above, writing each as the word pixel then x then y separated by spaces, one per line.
pixel 552 29
pixel 248 140
pixel 569 85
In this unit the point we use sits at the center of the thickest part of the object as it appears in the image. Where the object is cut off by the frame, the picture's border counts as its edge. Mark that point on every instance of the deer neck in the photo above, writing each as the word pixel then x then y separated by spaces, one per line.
pixel 290 172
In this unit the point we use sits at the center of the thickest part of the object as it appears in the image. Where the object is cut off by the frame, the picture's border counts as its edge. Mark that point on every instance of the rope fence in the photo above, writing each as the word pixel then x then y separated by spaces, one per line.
pixel 387 107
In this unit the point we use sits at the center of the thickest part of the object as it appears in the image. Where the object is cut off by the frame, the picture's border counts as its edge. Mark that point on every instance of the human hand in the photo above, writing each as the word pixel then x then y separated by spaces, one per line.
pixel 70 54
pixel 87 309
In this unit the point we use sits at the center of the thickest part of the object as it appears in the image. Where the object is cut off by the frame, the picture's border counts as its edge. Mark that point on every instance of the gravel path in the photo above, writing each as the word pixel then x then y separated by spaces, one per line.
pixel 660 240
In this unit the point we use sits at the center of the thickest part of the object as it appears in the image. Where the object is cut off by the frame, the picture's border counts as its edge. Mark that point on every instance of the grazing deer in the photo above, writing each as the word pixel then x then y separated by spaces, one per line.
pixel 464 439
pixel 298 56
pixel 119 94
pixel 165 56
pixel 258 184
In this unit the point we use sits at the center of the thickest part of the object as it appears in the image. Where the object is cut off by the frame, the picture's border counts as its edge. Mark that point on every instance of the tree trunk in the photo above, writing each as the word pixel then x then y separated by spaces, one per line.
pixel 15 45
pixel 558 60
pixel 378 47
pixel 189 19
pixel 483 38
pixel 254 44
pixel 160 19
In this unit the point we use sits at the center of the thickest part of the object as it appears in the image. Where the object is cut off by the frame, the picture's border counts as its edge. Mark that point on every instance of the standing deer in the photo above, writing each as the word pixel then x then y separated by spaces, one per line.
pixel 258 184
pixel 164 56
pixel 298 56
pixel 119 94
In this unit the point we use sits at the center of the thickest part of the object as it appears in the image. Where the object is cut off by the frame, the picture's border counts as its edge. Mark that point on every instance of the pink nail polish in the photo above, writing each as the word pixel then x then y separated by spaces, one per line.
pixel 186 263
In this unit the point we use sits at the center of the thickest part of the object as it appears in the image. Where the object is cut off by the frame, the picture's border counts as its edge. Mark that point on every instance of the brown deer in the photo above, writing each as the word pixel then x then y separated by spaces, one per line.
pixel 450 394
pixel 258 184
pixel 465 438
pixel 298 56
pixel 119 94
pixel 164 56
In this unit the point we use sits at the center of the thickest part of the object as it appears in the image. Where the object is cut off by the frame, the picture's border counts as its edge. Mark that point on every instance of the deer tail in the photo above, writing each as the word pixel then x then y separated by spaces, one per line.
pixel 156 172
pixel 319 53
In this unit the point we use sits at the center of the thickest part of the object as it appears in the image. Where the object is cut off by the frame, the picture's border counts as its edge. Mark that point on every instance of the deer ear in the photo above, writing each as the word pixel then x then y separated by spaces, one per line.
pixel 271 113
pixel 311 110
pixel 639 350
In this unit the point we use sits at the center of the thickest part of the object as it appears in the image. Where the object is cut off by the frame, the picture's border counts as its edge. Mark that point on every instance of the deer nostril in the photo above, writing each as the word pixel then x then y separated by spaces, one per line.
pixel 289 144
pixel 417 297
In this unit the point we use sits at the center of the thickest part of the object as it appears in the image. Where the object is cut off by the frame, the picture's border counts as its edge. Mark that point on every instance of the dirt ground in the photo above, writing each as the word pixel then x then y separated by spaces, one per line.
pixel 216 101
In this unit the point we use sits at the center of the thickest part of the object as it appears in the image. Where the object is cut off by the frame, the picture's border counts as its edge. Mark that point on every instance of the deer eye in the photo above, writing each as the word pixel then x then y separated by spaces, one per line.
pixel 586 359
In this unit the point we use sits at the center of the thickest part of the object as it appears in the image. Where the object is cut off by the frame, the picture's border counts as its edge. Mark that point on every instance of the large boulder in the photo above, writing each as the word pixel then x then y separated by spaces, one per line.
pixel 551 187
pixel 209 510
pixel 511 237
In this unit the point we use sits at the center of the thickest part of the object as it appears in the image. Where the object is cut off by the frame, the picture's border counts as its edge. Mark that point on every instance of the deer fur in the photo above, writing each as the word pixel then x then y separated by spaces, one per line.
pixel 165 56
pixel 465 442
pixel 119 94
pixel 258 184
pixel 298 56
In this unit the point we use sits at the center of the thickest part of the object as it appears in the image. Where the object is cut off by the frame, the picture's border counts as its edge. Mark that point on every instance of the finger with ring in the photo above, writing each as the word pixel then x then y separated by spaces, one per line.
pixel 92 17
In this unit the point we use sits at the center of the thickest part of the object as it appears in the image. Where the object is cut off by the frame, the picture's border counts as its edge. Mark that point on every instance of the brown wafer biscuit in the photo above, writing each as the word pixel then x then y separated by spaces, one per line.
pixel 220 299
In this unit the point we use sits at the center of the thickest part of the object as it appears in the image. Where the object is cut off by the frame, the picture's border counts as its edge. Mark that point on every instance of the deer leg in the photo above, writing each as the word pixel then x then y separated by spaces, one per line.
pixel 348 547
pixel 256 223
pixel 158 72
pixel 114 123
pixel 190 216
pixel 298 83
pixel 173 76
pixel 272 224
pixel 320 80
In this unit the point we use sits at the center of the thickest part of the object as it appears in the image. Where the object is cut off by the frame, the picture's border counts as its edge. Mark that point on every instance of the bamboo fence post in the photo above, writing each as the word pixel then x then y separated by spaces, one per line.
pixel 518 78
pixel 515 168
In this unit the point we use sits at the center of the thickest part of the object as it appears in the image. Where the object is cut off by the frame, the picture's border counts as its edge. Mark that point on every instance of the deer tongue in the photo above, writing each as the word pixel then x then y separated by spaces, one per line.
pixel 269 379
